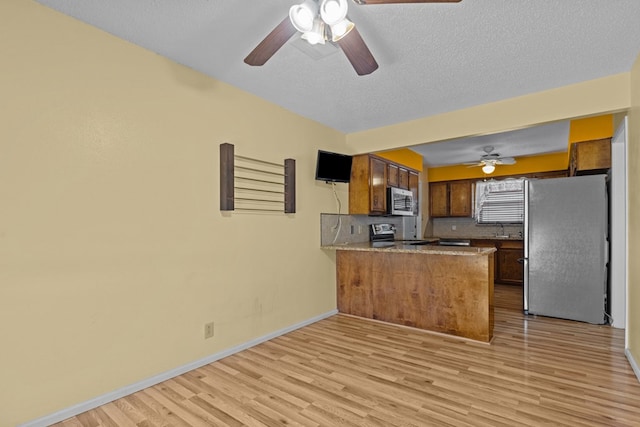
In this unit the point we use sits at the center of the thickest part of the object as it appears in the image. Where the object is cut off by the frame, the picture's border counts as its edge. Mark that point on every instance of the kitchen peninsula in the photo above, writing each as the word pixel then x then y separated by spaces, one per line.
pixel 441 289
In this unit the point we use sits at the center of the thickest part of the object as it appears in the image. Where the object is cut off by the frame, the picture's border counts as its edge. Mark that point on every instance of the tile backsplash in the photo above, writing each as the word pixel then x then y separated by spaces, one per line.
pixel 339 229
pixel 467 227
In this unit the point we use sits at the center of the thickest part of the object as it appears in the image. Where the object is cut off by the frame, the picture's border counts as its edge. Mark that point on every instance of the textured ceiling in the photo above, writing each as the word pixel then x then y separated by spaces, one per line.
pixel 433 58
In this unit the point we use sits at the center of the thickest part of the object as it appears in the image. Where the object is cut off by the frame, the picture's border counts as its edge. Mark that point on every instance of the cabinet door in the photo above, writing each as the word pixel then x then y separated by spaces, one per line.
pixel 403 178
pixel 377 186
pixel 592 156
pixel 460 198
pixel 392 175
pixel 439 199
pixel 510 271
pixel 414 184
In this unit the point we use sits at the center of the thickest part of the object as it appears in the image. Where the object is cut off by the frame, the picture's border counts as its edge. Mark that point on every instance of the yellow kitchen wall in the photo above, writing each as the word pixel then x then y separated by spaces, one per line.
pixel 113 250
pixel 542 163
pixel 404 156
pixel 590 128
pixel 633 218
pixel 585 129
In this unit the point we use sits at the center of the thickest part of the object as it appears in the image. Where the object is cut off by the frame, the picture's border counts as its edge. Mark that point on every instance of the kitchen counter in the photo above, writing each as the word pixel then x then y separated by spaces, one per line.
pixel 443 289
pixel 403 247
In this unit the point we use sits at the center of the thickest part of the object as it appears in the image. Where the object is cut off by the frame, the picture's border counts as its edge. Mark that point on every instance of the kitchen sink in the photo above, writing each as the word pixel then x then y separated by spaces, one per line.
pixel 422 242
pixel 454 242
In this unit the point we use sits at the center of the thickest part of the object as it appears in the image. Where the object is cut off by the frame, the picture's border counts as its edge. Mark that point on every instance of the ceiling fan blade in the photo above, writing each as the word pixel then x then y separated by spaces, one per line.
pixel 357 52
pixel 403 1
pixel 271 43
pixel 506 161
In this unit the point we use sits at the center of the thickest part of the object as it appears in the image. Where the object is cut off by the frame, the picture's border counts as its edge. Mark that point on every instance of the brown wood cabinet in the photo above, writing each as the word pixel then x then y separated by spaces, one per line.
pixel 507 269
pixel 439 199
pixel 370 177
pixel 392 175
pixel 589 157
pixel 403 178
pixel 451 199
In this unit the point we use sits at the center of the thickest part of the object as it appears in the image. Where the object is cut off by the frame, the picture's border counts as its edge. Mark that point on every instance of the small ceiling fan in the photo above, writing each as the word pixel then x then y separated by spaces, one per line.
pixel 320 21
pixel 489 160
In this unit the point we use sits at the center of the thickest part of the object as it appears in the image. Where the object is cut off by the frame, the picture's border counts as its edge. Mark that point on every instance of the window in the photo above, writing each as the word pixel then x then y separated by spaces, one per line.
pixel 500 201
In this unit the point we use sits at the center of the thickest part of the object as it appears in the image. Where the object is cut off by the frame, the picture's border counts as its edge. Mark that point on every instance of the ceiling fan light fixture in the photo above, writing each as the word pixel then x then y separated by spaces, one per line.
pixel 488 168
pixel 333 11
pixel 316 35
pixel 303 15
pixel 341 29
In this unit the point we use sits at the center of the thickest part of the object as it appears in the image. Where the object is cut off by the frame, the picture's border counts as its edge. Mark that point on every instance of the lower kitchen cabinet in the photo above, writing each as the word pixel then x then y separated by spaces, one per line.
pixel 508 269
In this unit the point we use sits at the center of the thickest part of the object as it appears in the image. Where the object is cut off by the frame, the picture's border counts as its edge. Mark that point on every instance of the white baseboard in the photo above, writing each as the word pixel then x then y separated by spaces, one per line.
pixel 633 363
pixel 132 388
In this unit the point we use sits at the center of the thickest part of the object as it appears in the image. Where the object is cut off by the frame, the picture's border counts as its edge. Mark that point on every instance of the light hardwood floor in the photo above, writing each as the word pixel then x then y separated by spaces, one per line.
pixel 354 372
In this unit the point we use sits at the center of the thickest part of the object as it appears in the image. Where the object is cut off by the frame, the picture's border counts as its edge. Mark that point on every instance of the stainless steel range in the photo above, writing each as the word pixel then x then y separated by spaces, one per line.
pixel 382 235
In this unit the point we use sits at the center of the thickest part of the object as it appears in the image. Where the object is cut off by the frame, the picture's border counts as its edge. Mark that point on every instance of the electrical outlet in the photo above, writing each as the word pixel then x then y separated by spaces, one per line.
pixel 208 330
pixel 453 227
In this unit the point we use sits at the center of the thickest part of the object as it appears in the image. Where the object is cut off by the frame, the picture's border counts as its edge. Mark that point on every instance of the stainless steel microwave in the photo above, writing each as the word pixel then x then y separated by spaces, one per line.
pixel 399 201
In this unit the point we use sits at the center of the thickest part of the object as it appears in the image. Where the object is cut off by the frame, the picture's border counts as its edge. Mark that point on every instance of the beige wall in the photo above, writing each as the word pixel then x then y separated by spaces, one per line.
pixel 113 251
pixel 633 300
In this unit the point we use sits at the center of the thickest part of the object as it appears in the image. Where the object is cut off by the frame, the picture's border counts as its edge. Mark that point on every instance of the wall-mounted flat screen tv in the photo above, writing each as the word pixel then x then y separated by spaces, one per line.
pixel 333 167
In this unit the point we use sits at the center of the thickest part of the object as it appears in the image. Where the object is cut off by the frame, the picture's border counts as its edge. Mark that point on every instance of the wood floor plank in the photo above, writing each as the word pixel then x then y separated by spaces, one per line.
pixel 347 371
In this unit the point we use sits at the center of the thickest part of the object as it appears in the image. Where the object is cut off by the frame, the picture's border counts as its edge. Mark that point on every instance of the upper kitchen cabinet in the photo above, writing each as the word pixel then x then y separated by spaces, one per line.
pixel 590 157
pixel 451 199
pixel 403 178
pixel 393 177
pixel 368 185
pixel 370 177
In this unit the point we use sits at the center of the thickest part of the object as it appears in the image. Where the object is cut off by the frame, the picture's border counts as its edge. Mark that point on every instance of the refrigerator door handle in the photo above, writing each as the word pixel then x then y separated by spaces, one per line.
pixel 525 259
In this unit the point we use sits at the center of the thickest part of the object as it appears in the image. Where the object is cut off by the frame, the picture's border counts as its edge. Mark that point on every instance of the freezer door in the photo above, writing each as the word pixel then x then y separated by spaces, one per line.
pixel 566 248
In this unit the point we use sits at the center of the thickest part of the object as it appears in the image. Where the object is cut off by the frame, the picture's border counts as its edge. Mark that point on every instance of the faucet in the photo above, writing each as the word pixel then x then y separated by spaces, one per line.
pixel 501 225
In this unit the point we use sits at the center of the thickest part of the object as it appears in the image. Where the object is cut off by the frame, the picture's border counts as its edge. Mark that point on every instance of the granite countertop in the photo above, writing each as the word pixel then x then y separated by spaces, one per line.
pixel 407 248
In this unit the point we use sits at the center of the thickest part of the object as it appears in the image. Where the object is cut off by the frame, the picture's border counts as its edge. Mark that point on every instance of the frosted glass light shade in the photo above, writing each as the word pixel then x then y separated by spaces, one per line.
pixel 302 15
pixel 488 168
pixel 333 11
pixel 341 29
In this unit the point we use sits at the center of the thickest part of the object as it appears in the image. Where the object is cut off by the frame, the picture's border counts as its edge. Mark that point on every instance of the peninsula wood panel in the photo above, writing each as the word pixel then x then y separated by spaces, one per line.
pixel 451 294
pixel 355 296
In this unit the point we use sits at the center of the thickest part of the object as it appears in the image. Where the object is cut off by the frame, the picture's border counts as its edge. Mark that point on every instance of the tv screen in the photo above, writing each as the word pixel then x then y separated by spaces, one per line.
pixel 333 167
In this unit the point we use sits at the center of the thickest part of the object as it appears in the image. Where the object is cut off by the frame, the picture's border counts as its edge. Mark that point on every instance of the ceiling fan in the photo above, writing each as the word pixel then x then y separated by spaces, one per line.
pixel 489 160
pixel 320 21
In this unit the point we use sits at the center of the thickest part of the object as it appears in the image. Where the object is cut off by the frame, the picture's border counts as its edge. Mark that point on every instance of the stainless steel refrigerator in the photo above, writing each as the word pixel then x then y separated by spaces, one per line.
pixel 566 248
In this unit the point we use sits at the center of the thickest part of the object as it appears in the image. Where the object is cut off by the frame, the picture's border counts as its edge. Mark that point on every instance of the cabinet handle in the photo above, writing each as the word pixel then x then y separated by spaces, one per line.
pixel 521 260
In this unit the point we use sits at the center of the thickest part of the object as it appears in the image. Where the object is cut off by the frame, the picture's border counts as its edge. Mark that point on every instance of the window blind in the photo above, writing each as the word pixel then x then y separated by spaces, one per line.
pixel 500 201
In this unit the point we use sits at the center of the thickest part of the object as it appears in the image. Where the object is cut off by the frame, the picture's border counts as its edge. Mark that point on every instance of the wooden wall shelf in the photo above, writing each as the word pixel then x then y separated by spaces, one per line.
pixel 248 184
